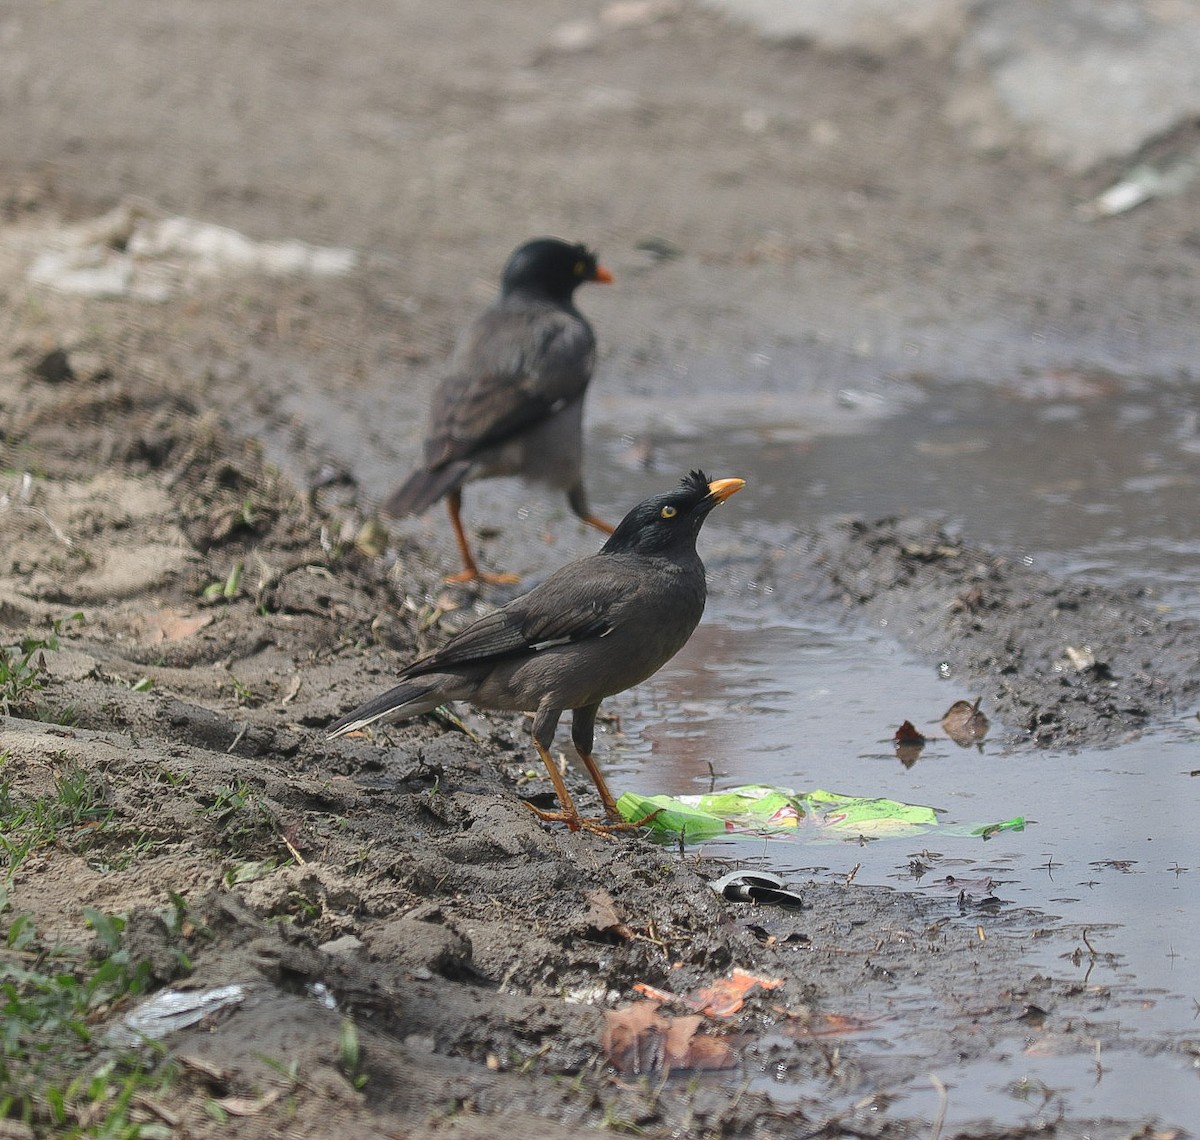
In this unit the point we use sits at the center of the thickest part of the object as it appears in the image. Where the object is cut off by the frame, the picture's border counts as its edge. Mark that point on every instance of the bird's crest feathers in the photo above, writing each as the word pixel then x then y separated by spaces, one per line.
pixel 696 482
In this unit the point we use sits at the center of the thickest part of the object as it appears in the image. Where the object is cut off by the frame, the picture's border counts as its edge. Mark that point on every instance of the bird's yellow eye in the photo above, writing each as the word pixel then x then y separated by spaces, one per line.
pixel 579 268
pixel 668 512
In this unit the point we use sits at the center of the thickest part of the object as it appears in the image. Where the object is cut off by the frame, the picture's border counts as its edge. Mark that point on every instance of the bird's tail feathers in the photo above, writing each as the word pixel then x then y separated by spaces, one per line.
pixel 423 488
pixel 406 700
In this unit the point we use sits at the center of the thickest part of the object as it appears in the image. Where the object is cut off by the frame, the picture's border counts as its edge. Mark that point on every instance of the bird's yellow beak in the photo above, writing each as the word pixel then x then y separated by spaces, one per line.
pixel 721 489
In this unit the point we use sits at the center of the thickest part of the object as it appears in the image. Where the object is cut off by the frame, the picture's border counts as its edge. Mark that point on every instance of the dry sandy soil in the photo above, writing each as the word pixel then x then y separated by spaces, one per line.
pixel 474 948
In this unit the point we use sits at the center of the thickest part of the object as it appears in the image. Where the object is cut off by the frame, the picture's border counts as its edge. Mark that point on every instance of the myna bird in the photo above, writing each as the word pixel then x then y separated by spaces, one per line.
pixel 512 402
pixel 595 627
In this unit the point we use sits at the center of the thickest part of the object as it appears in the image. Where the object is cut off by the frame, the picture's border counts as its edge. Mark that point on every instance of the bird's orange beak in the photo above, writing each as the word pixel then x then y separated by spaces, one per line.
pixel 721 489
pixel 603 276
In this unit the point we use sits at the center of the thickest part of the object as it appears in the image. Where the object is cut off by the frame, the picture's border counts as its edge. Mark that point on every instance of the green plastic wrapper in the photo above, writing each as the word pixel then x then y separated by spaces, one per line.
pixel 761 809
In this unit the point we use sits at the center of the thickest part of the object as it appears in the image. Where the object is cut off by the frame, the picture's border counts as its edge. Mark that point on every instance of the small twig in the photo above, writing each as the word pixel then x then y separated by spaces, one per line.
pixel 160 1110
pixel 37 512
pixel 295 855
pixel 943 1101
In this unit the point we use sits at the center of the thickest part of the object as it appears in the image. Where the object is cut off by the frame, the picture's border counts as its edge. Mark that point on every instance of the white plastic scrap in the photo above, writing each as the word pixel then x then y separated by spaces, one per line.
pixel 1142 183
pixel 322 993
pixel 170 1011
pixel 136 251
pixel 213 249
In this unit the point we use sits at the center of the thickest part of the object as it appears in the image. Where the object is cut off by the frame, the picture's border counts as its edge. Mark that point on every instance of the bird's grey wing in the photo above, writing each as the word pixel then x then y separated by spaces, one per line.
pixel 565 608
pixel 513 369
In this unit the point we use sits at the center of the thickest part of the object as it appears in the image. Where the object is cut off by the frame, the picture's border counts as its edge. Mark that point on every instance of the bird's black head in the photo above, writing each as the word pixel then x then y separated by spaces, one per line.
pixel 548 267
pixel 670 522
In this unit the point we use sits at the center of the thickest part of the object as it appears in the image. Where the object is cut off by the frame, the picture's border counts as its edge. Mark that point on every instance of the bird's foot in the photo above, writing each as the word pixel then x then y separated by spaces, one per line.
pixel 465 576
pixel 577 822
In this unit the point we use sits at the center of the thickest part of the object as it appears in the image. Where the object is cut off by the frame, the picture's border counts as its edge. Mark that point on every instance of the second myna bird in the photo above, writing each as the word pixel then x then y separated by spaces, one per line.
pixel 512 401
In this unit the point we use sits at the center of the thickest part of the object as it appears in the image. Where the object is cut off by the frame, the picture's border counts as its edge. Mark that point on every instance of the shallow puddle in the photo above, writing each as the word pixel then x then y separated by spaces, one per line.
pixel 1108 860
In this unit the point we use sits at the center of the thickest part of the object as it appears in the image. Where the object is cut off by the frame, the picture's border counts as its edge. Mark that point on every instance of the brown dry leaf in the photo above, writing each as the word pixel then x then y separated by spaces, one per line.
pixel 211 1072
pixel 907 734
pixel 688 1048
pixel 632 1038
pixel 602 916
pixel 909 743
pixel 722 999
pixel 726 996
pixel 654 994
pixel 638 1040
pixel 964 723
pixel 171 625
pixel 249 1106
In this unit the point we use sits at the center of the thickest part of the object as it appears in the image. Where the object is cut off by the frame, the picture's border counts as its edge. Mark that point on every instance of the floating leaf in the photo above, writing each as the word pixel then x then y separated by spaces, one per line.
pixel 956 885
pixel 909 743
pixel 1017 823
pixel 964 723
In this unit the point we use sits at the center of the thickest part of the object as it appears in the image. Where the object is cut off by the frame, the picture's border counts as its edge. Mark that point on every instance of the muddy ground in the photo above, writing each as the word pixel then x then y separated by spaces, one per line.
pixel 474 948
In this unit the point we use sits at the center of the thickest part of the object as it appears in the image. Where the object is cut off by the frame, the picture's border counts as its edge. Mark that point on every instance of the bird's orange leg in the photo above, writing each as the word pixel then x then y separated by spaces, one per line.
pixel 570 813
pixel 583 735
pixel 470 571
pixel 610 805
pixel 606 797
pixel 599 524
pixel 577 498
